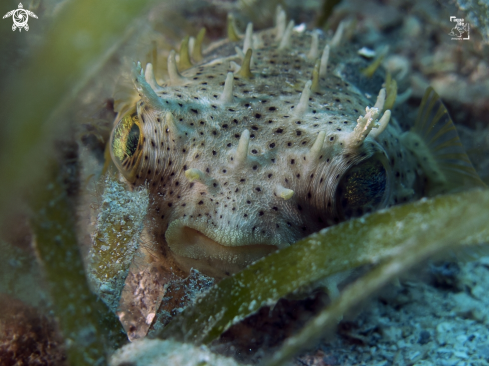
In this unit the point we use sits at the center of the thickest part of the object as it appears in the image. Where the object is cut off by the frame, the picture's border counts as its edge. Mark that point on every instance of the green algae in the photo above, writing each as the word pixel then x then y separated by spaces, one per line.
pixel 81 38
pixel 366 240
pixel 116 238
pixel 409 253
pixel 88 328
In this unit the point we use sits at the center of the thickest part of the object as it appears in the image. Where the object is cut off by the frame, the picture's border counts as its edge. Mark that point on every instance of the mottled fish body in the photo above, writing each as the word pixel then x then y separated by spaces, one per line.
pixel 267 138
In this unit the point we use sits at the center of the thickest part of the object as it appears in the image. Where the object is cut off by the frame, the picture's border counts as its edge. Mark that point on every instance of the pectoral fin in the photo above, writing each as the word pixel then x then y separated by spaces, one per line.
pixel 435 142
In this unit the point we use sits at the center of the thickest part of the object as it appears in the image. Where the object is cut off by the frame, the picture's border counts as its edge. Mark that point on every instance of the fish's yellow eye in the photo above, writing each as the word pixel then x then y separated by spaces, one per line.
pixel 125 144
pixel 362 189
pixel 132 141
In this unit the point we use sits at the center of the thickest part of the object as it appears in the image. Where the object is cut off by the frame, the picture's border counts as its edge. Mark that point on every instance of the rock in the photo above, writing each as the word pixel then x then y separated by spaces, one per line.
pixel 155 352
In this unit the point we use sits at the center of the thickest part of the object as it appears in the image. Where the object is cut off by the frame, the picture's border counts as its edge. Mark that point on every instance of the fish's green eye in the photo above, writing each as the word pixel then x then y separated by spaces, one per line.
pixel 126 144
pixel 362 189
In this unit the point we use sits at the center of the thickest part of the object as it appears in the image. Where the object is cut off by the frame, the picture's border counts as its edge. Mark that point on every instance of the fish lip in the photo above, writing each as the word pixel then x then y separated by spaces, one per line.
pixel 195 244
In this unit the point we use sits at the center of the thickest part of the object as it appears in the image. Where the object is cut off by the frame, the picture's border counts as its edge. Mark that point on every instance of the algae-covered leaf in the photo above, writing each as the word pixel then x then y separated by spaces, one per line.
pixel 85 322
pixel 115 239
pixel 410 252
pixel 348 245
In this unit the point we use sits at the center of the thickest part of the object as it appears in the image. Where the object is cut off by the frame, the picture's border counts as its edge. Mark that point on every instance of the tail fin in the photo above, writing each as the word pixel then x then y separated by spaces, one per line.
pixel 435 142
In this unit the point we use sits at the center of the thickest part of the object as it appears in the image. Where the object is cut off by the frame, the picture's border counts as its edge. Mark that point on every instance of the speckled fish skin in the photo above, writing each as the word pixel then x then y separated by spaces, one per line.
pixel 235 203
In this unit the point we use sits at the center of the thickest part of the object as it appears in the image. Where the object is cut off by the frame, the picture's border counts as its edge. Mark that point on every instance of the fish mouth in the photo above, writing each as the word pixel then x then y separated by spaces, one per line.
pixel 199 247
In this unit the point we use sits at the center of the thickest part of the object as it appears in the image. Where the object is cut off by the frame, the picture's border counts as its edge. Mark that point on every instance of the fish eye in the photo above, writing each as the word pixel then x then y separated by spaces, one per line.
pixel 363 188
pixel 132 141
pixel 125 144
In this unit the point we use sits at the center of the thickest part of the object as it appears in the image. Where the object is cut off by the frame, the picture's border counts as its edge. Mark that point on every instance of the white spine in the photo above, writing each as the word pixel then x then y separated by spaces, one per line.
pixel 191 45
pixel 285 193
pixel 304 101
pixel 314 52
pixel 335 42
pixel 379 104
pixel 150 78
pixel 193 175
pixel 323 67
pixel 175 77
pixel 281 23
pixel 363 127
pixel 285 42
pixel 248 41
pixel 242 151
pixel 383 122
pixel 170 121
pixel 313 154
pixel 143 87
pixel 227 94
